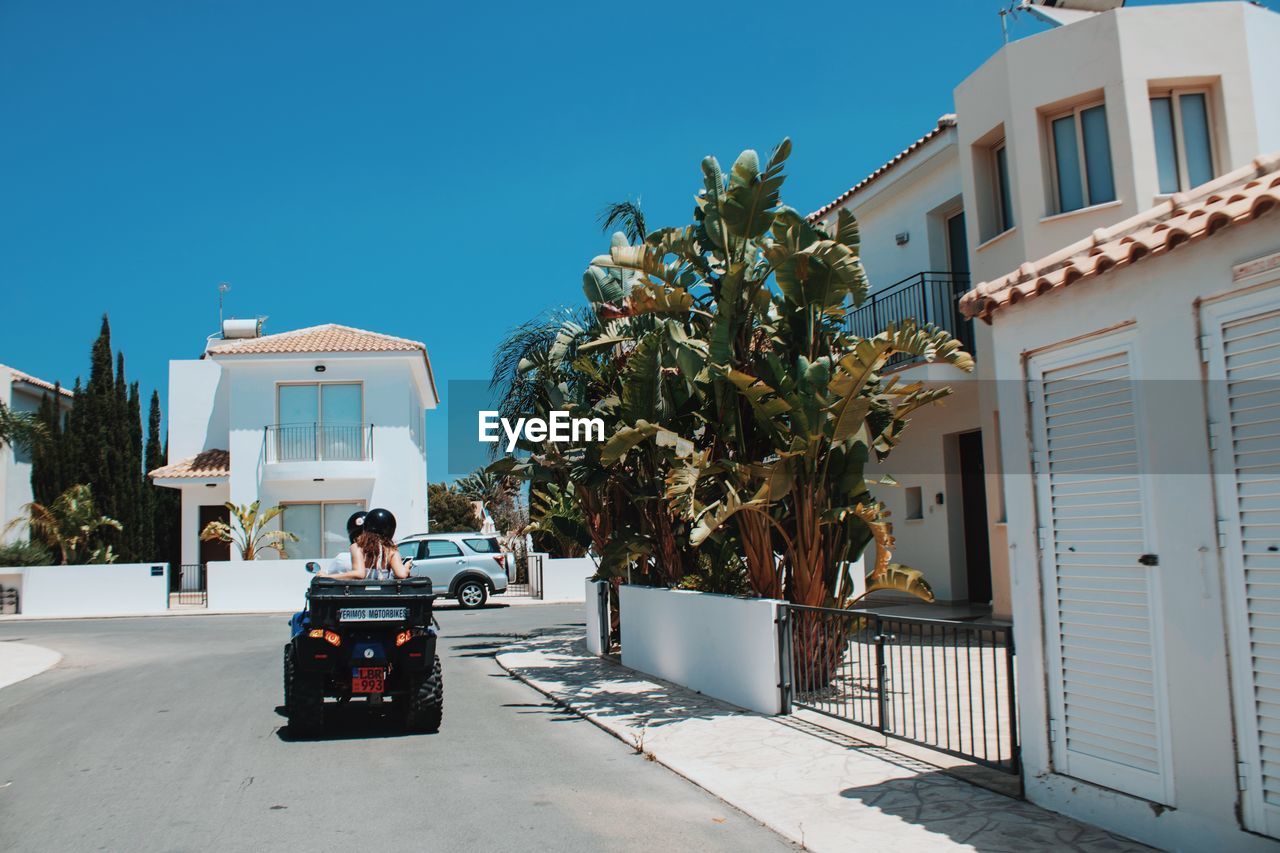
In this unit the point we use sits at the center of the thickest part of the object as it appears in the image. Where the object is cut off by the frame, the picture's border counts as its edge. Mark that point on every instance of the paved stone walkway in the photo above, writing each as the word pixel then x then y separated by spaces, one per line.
pixel 828 793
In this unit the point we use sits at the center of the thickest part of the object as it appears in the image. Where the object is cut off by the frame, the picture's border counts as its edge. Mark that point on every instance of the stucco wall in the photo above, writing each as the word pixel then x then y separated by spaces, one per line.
pixel 719 645
pixel 562 578
pixel 258 585
pixel 104 590
pixel 1157 297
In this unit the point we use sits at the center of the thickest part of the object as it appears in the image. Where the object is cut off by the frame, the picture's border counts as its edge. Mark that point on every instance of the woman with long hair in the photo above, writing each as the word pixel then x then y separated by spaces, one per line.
pixel 373 553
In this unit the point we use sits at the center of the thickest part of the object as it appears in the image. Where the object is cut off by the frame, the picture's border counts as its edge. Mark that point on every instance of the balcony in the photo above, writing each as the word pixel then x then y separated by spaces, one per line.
pixel 926 297
pixel 301 452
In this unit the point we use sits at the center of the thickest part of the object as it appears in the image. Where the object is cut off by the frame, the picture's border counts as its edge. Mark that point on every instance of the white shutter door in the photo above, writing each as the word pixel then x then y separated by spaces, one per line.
pixel 1104 674
pixel 1244 372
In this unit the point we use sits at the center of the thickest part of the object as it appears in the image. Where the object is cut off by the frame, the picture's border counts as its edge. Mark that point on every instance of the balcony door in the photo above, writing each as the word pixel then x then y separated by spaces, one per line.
pixel 320 421
pixel 957 245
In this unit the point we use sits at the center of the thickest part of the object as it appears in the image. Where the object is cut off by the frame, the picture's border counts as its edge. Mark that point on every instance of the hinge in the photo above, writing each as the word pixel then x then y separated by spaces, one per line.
pixel 1053 729
pixel 1040 538
pixel 1204 348
pixel 1031 393
pixel 1222 533
pixel 1242 776
pixel 1035 462
pixel 1213 436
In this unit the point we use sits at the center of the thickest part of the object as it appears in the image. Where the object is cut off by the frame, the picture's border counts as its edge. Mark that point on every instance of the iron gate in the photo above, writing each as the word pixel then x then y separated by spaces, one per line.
pixel 532 585
pixel 192 584
pixel 943 684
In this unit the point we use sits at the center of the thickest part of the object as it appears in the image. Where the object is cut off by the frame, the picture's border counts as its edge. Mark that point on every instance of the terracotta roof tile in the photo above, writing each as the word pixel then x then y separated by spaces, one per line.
pixel 19 376
pixel 1238 197
pixel 327 338
pixel 206 464
pixel 944 123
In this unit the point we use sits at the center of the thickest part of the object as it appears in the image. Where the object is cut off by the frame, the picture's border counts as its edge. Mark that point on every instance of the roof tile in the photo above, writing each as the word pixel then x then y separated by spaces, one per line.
pixel 327 338
pixel 206 464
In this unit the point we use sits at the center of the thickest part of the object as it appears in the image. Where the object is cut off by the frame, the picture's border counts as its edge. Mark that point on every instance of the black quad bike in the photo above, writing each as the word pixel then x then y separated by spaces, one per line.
pixel 373 640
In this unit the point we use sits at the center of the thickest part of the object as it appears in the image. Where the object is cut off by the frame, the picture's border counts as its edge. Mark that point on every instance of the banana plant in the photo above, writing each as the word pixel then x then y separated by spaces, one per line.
pixel 249 532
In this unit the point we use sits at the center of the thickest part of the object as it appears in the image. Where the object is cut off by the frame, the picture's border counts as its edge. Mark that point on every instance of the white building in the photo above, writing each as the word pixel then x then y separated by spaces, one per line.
pixel 1133 527
pixel 20 392
pixel 323 421
pixel 1054 136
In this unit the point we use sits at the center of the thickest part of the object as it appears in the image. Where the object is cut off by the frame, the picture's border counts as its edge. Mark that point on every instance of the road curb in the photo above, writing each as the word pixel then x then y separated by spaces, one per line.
pixel 23 660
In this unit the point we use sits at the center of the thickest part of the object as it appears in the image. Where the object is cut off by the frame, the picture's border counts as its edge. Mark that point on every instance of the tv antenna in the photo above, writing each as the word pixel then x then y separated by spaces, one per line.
pixel 1057 13
pixel 223 287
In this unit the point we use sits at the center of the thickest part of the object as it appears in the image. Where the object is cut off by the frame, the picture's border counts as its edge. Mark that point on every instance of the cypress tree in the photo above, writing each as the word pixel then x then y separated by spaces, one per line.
pixel 165 503
pixel 46 458
pixel 141 537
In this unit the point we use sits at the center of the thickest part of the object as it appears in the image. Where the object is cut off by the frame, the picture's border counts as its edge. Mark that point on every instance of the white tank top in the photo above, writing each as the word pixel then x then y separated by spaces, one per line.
pixel 381 569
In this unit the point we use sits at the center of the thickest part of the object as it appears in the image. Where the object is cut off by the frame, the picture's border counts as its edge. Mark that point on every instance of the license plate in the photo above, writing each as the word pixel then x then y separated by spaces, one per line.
pixel 372 614
pixel 367 679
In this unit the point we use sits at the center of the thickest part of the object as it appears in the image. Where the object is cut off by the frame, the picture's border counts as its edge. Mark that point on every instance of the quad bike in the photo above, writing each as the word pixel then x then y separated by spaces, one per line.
pixel 367 640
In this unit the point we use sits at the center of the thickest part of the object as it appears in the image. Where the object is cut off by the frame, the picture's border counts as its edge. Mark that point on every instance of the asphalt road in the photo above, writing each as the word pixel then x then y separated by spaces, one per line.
pixel 163 734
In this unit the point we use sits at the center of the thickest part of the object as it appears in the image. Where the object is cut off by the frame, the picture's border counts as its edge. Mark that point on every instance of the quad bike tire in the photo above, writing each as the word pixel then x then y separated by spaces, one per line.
pixel 424 704
pixel 303 699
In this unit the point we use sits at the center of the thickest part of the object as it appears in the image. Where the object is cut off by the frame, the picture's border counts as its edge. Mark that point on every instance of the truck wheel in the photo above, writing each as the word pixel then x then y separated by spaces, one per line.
pixel 425 701
pixel 304 699
pixel 472 594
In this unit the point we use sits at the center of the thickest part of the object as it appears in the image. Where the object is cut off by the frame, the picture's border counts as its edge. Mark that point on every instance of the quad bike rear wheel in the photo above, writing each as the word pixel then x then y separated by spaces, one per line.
pixel 303 698
pixel 424 702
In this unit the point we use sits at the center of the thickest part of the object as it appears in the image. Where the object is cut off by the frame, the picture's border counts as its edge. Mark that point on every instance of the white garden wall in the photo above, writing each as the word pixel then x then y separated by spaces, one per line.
pixel 562 578
pixel 258 585
pixel 722 646
pixel 101 590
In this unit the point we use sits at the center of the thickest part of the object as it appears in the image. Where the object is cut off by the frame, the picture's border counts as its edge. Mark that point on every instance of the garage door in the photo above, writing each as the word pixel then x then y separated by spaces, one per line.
pixel 1242 349
pixel 1105 672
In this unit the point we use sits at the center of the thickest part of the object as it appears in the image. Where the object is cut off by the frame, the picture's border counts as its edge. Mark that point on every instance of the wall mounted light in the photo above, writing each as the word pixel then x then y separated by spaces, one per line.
pixel 320 368
pixel 902 238
pixel 317 479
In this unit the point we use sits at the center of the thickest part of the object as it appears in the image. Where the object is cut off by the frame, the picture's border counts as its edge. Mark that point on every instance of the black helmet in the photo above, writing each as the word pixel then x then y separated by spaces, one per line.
pixel 381 522
pixel 355 524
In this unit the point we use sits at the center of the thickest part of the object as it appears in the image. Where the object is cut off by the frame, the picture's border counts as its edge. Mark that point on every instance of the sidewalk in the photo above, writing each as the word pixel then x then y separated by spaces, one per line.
pixel 19 661
pixel 827 793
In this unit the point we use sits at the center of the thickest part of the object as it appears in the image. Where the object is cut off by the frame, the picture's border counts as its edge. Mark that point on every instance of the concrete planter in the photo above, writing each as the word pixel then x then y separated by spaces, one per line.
pixel 720 645
pixel 562 578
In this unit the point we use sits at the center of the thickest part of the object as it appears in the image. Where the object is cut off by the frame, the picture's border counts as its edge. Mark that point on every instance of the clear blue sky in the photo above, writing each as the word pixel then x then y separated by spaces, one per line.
pixel 426 170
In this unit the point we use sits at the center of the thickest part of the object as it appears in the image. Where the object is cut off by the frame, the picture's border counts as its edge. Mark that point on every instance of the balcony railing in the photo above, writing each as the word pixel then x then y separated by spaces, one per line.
pixel 319 442
pixel 926 297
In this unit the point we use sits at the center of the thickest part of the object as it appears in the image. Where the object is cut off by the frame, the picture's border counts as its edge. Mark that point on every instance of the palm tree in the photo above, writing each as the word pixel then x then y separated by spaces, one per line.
pixel 20 429
pixel 249 534
pixel 70 525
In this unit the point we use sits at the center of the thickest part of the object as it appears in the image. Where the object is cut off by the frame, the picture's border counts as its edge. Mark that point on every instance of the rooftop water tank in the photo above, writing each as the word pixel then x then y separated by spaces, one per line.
pixel 251 328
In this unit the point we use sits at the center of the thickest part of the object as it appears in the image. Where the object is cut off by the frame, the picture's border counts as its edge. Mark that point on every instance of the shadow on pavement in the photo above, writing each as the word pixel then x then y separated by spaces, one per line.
pixel 353 721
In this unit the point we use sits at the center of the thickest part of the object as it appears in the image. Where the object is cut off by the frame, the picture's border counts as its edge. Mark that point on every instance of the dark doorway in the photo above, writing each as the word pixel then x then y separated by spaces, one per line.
pixel 211 551
pixel 957 245
pixel 973 495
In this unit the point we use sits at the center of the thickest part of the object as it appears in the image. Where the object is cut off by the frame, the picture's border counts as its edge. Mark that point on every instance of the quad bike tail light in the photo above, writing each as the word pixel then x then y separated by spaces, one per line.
pixel 329 637
pixel 403 637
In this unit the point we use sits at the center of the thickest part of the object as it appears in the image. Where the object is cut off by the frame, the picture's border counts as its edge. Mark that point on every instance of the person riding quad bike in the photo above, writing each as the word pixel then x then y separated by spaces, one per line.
pixel 365 634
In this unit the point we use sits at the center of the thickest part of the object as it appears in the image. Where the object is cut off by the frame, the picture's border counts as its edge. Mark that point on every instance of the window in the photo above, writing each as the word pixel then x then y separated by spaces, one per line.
pixel 1184 151
pixel 319 420
pixel 1080 153
pixel 1003 189
pixel 915 503
pixel 321 528
pixel 409 550
pixel 442 548
pixel 483 546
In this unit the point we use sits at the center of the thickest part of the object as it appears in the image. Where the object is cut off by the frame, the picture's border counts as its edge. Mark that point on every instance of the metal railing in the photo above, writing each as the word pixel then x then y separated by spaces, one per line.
pixel 939 683
pixel 319 442
pixel 192 585
pixel 926 297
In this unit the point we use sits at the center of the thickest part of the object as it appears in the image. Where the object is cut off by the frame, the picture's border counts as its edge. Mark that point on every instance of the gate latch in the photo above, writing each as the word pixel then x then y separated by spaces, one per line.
pixel 1149 559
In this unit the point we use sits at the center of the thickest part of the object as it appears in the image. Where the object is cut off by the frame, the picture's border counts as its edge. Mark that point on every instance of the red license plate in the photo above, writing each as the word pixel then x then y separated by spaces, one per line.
pixel 367 679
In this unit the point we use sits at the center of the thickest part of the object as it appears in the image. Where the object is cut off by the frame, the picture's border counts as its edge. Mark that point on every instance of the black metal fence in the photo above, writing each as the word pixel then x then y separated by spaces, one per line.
pixel 191 585
pixel 926 297
pixel 942 684
pixel 319 442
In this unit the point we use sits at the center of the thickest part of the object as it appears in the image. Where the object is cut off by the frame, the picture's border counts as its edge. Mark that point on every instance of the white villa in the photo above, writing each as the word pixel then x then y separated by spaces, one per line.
pixel 323 421
pixel 21 392
pixel 1130 530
